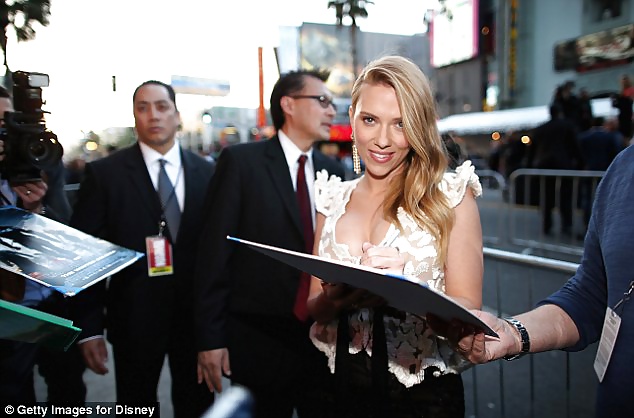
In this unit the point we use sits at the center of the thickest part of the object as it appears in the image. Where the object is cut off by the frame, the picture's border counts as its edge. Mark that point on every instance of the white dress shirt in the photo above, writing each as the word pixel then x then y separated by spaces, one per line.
pixel 173 167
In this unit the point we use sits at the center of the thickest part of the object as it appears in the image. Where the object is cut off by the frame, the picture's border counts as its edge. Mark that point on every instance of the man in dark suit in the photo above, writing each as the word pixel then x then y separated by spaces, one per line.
pixel 149 313
pixel 246 301
pixel 554 146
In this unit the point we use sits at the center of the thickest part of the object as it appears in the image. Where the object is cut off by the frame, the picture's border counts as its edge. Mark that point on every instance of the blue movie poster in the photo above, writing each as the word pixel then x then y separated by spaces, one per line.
pixel 56 255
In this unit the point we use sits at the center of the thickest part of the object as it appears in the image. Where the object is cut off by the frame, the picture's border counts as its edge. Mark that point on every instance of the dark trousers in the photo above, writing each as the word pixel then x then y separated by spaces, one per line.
pixel 275 360
pixel 137 374
pixel 565 203
pixel 62 371
pixel 17 360
pixel 586 194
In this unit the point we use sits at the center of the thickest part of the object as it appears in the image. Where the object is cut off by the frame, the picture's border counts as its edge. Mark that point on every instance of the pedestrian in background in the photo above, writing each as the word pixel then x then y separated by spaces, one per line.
pixel 454 151
pixel 568 103
pixel 251 314
pixel 554 146
pixel 585 110
pixel 149 198
pixel 623 102
pixel 598 146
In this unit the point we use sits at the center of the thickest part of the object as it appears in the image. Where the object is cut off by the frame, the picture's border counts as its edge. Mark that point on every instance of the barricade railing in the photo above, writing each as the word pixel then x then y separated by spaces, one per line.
pixel 71 192
pixel 564 195
pixel 493 184
pixel 491 179
pixel 551 384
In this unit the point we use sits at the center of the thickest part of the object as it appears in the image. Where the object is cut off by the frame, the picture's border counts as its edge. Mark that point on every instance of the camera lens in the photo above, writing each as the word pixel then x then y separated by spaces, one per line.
pixel 37 150
pixel 42 150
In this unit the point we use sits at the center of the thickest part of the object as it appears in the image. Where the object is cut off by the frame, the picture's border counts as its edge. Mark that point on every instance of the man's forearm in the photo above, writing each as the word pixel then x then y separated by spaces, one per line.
pixel 549 328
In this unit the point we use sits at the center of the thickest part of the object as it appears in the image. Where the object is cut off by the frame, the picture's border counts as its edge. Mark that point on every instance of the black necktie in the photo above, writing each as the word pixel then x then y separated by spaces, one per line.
pixel 169 202
pixel 306 215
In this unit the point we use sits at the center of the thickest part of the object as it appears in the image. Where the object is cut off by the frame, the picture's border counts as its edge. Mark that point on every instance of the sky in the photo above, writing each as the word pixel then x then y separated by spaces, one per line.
pixel 88 42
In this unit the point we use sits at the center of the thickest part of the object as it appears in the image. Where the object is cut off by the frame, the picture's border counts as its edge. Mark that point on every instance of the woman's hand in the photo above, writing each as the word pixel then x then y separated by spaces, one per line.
pixel 387 258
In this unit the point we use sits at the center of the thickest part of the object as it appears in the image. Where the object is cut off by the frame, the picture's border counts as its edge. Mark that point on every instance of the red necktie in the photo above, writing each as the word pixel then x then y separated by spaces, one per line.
pixel 305 213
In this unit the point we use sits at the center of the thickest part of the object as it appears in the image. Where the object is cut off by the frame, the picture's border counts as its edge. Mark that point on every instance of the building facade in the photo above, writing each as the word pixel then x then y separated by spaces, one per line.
pixel 331 47
pixel 526 48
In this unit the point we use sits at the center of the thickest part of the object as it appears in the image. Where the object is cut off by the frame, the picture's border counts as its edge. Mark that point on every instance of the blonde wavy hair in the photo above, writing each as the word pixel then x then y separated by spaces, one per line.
pixel 416 187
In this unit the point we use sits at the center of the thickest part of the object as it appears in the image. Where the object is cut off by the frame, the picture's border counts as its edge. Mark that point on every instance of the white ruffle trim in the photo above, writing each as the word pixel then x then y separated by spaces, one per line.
pixel 326 189
pixel 454 184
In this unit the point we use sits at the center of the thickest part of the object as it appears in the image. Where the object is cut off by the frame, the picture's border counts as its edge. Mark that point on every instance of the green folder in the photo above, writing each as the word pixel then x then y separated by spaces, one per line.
pixel 20 323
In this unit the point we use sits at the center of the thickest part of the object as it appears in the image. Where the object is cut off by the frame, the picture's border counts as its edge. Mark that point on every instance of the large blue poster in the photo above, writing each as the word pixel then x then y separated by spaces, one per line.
pixel 56 255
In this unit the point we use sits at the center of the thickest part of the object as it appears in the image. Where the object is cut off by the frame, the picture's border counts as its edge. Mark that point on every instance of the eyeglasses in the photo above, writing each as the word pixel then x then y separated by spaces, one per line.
pixel 324 101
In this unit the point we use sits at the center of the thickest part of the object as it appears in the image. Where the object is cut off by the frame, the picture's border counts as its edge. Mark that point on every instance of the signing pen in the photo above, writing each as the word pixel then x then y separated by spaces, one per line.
pixel 389 240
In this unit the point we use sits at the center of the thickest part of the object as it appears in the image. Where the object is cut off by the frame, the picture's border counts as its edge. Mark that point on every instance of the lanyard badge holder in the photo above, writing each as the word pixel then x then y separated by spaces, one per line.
pixel 611 325
pixel 158 248
pixel 159 253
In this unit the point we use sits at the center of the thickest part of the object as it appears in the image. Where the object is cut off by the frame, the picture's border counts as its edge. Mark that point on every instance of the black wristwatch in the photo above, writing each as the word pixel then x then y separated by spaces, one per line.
pixel 526 342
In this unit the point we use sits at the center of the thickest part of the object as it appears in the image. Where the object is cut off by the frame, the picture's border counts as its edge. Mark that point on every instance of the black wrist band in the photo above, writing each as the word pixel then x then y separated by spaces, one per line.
pixel 526 342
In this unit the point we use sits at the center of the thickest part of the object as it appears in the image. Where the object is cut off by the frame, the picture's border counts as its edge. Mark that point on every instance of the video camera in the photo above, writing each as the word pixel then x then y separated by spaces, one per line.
pixel 29 146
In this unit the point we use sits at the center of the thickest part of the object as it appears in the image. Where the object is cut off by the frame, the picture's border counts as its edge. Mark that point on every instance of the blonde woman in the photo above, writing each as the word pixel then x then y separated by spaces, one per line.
pixel 407 214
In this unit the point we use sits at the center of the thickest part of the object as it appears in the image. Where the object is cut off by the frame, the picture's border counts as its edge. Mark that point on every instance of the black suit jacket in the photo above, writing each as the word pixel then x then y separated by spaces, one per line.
pixel 251 197
pixel 554 146
pixel 117 202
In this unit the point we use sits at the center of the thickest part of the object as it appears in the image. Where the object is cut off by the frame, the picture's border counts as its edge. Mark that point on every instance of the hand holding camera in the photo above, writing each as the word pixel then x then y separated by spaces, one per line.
pixel 27 145
pixel 32 194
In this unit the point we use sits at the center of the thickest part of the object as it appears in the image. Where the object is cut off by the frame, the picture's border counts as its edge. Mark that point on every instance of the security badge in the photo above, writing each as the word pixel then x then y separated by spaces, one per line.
pixel 611 325
pixel 158 250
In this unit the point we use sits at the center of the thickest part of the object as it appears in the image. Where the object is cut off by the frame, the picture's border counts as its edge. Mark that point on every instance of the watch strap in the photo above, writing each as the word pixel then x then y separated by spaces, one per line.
pixel 525 339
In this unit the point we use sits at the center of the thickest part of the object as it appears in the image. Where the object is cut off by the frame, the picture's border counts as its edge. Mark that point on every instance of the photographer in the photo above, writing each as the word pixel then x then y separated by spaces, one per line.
pixel 63 371
pixel 623 102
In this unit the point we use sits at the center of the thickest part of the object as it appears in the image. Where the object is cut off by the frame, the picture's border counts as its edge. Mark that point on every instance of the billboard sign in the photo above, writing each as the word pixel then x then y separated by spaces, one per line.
pixel 454 33
pixel 202 86
pixel 328 47
pixel 595 51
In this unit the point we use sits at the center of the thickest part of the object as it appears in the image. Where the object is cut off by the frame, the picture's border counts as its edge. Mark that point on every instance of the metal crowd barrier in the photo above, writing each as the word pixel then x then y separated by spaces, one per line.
pixel 493 183
pixel 491 179
pixel 527 199
pixel 71 193
pixel 551 384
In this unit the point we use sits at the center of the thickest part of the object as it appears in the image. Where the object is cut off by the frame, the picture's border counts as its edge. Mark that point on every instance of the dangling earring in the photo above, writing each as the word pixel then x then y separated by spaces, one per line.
pixel 356 161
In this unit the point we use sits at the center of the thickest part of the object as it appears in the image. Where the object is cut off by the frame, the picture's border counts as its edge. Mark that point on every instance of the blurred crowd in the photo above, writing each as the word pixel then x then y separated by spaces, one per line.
pixel 595 140
pixel 573 139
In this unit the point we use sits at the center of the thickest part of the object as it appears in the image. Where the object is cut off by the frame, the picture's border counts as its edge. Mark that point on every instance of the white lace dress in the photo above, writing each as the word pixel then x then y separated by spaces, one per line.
pixel 411 345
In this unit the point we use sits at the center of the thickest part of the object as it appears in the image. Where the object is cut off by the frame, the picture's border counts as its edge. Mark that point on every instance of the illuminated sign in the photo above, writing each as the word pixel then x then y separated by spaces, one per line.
pixel 454 33
pixel 595 51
